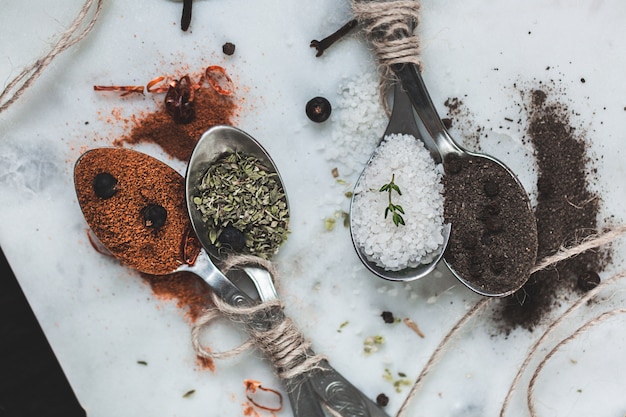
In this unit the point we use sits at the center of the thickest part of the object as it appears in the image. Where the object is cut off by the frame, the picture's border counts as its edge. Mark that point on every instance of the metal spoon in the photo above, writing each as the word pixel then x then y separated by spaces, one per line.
pixel 402 121
pixel 322 383
pixel 212 144
pixel 443 146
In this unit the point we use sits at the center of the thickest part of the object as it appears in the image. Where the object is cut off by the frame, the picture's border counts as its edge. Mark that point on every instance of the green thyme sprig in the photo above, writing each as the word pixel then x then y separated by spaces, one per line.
pixel 396 209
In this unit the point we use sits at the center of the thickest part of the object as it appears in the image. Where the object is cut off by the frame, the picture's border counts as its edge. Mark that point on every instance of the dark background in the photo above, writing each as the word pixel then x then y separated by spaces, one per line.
pixel 31 380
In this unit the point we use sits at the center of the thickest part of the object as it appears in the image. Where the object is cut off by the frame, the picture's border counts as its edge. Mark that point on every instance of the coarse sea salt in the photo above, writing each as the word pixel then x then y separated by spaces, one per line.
pixel 358 125
pixel 418 241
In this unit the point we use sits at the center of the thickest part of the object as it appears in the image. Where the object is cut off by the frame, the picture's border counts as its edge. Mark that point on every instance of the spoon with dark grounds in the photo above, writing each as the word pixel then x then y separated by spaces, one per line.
pixel 160 241
pixel 493 243
pixel 401 121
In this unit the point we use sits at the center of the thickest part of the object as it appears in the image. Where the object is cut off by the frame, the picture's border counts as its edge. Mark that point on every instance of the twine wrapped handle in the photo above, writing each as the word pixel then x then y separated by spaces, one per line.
pixel 270 330
pixel 390 27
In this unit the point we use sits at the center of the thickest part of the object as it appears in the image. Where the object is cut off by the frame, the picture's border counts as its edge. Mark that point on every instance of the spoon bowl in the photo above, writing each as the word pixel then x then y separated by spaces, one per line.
pixel 214 143
pixel 446 150
pixel 402 121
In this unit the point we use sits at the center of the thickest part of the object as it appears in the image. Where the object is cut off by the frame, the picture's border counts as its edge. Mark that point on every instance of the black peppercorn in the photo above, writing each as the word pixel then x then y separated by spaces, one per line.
pixel 491 188
pixel 105 185
pixel 497 264
pixel 382 400
pixel 494 225
pixel 491 209
pixel 228 48
pixel 486 239
pixel 475 267
pixel 154 216
pixel 588 280
pixel 233 238
pixel 388 317
pixel 318 109
pixel 469 241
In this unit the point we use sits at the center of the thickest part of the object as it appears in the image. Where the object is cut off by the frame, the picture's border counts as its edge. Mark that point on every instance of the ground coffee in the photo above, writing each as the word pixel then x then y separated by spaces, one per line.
pixel 566 211
pixel 493 241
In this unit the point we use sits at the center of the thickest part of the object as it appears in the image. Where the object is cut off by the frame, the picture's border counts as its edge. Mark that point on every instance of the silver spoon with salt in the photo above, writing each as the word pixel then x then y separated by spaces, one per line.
pixel 487 273
pixel 401 121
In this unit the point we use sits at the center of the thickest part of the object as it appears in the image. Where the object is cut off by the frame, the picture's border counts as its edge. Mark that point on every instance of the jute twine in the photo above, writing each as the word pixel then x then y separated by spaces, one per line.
pixel 390 28
pixel 290 352
pixel 282 343
pixel 79 28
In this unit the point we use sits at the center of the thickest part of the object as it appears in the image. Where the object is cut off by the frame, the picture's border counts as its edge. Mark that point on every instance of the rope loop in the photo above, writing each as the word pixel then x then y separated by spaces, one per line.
pixel 277 337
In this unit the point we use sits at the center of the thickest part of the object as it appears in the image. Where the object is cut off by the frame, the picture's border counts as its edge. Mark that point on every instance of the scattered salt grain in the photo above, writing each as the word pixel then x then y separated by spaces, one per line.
pixel 359 123
pixel 418 241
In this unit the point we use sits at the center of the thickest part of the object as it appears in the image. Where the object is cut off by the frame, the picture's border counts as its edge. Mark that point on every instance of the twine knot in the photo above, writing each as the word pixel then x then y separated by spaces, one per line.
pixel 278 337
pixel 390 27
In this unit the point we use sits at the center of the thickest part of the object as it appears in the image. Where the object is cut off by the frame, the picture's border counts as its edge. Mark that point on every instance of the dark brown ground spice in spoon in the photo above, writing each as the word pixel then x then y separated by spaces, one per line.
pixel 566 209
pixel 493 239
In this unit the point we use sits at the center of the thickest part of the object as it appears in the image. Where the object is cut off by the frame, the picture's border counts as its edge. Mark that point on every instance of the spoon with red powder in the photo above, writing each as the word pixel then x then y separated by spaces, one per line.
pixel 135 205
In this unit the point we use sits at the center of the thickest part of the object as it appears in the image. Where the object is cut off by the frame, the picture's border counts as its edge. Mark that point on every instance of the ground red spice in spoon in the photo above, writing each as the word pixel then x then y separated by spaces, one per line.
pixel 121 220
pixel 118 220
pixel 178 141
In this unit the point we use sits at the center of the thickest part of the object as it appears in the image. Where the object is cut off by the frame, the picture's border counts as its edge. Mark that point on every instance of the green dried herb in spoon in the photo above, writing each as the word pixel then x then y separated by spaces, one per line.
pixel 239 192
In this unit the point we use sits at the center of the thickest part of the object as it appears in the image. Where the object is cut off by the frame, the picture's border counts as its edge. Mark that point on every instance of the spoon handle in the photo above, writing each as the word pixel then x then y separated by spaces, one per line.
pixel 412 81
pixel 309 390
pixel 338 394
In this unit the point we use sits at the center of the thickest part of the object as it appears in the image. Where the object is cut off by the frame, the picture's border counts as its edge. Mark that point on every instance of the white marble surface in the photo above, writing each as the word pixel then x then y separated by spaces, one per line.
pixel 101 319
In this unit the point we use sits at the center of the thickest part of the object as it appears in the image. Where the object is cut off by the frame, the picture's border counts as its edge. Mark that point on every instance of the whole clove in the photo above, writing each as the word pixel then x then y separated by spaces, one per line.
pixel 185 20
pixel 325 43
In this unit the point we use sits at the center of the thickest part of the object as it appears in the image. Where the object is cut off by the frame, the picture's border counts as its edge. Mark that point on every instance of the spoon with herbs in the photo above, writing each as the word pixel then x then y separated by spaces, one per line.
pixel 397 226
pixel 248 186
pixel 236 198
pixel 493 243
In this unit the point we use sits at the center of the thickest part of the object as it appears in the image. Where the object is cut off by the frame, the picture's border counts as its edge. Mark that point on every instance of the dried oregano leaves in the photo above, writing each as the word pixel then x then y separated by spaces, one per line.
pixel 238 191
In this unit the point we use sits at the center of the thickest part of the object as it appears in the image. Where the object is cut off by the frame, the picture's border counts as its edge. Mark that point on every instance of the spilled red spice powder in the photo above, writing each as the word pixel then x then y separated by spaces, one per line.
pixel 179 140
pixel 191 293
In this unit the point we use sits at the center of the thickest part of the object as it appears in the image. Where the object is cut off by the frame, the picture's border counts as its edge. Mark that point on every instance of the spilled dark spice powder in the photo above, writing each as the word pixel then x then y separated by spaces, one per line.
pixel 566 209
pixel 566 212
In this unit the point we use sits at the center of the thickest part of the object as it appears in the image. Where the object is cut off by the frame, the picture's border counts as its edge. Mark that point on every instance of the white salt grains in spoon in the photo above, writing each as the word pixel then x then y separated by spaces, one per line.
pixel 417 241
